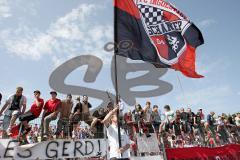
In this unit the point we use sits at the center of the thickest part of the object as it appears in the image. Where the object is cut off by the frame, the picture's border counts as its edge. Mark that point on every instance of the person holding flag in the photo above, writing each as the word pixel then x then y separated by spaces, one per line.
pixel 116 152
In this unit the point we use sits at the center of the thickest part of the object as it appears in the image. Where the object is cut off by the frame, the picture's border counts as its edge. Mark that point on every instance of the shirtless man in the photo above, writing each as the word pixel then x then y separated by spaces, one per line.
pixel 86 116
pixel 86 110
pixel 63 122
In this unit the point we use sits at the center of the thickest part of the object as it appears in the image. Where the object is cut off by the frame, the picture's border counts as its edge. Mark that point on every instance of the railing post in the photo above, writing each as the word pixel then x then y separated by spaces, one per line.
pixel 163 147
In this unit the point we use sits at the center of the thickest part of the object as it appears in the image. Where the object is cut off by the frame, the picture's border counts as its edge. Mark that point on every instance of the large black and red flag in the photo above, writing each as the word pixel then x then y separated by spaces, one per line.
pixel 158 33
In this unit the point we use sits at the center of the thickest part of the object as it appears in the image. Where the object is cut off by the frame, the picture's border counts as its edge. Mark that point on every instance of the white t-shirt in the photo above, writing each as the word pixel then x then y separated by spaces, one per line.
pixel 112 133
pixel 23 101
pixel 237 121
pixel 170 115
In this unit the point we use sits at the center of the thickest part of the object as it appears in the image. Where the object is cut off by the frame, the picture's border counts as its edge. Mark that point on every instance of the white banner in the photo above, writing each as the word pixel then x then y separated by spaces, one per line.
pixel 148 158
pixel 149 144
pixel 54 149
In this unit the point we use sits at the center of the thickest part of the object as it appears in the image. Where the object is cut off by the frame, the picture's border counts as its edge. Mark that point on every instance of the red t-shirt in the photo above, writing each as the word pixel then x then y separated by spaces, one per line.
pixel 35 109
pixel 51 105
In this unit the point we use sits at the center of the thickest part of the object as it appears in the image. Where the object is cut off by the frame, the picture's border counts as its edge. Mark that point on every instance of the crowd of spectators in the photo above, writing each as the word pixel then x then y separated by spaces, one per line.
pixel 173 128
pixel 182 128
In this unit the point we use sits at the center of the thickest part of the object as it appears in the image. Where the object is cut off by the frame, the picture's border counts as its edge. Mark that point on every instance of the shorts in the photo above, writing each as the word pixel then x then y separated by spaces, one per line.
pixel 99 131
pixel 87 118
pixel 76 119
pixel 63 125
pixel 168 126
pixel 156 125
pixel 28 116
pixel 190 128
pixel 7 117
pixel 149 127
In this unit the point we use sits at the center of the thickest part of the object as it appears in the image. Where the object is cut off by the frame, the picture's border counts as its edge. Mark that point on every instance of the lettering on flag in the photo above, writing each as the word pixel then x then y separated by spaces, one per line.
pixel 164 24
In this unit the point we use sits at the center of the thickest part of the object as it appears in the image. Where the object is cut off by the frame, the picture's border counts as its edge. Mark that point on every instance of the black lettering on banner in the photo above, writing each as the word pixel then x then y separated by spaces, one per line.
pixel 9 149
pixel 77 147
pixel 65 148
pixel 86 148
pixel 25 156
pixel 99 146
pixel 99 153
pixel 52 150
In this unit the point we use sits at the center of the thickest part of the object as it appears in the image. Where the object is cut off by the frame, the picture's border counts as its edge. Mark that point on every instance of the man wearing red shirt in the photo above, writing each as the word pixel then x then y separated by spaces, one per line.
pixel 33 113
pixel 128 118
pixel 51 110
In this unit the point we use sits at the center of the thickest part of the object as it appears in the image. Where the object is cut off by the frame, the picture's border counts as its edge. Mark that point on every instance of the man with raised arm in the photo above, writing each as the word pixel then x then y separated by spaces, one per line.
pixel 31 114
pixel 116 153
pixel 13 108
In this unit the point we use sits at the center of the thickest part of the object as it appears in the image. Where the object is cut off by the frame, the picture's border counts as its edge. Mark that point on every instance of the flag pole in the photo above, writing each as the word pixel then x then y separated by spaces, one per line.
pixel 115 69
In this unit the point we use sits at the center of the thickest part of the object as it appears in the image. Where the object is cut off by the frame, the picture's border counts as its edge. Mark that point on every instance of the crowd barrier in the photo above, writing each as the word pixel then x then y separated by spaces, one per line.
pixel 69 148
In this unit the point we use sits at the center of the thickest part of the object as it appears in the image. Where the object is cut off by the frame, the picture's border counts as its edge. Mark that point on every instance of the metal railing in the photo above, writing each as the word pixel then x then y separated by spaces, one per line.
pixel 211 136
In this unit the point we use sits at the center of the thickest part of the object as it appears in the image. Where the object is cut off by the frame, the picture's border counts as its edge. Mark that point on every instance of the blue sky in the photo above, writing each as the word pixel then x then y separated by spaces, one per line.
pixel 37 36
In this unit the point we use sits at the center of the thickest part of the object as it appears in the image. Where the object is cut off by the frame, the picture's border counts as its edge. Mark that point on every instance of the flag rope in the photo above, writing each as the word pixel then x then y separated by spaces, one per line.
pixel 181 88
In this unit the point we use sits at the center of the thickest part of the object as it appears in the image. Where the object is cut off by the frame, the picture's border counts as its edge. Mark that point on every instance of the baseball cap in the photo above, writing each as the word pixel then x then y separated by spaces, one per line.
pixel 69 95
pixel 53 92
pixel 37 91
